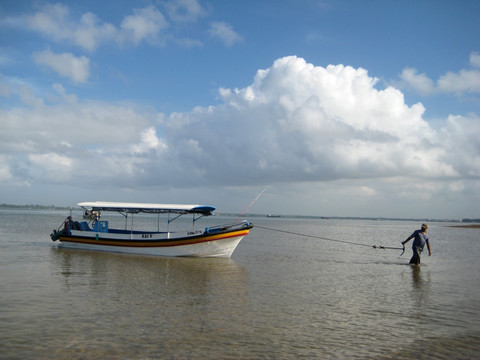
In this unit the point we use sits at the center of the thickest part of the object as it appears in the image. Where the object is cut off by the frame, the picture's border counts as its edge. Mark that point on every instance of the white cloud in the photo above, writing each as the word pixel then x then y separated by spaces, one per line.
pixel 67 65
pixel 54 21
pixel 63 94
pixel 419 82
pixel 475 59
pixel 28 96
pixel 307 122
pixel 5 175
pixel 149 141
pixel 91 32
pixel 464 81
pixel 51 161
pixel 460 137
pixel 88 32
pixel 296 123
pixel 49 167
pixel 184 10
pixel 144 24
pixel 51 20
pixel 224 32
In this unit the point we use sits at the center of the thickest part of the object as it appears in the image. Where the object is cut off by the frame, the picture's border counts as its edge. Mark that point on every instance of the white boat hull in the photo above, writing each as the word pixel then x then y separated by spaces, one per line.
pixel 212 242
pixel 218 248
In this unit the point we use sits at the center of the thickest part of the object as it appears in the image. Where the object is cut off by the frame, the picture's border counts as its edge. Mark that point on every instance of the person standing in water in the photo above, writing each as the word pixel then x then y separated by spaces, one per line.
pixel 421 239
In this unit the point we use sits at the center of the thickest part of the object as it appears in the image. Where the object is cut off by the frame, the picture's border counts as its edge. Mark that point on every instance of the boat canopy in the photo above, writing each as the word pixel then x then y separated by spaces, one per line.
pixel 204 210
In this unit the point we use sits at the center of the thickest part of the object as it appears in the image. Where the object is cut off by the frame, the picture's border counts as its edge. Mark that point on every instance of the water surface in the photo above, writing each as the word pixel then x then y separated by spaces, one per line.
pixel 281 296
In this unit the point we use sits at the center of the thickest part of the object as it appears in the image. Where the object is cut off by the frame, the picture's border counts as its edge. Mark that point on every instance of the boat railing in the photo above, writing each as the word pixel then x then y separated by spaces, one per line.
pixel 230 227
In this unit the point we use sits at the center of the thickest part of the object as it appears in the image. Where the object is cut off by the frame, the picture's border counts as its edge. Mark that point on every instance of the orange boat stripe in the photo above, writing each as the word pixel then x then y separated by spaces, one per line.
pixel 152 243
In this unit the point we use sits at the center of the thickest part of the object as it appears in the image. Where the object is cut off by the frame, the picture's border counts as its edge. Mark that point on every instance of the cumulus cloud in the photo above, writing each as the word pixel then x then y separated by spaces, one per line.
pixel 54 21
pixel 295 123
pixel 88 31
pixel 313 123
pixel 464 81
pixel 63 94
pixel 144 24
pixel 66 64
pixel 184 10
pixel 28 96
pixel 224 32
pixel 419 82
pixel 461 82
pixel 5 174
pixel 460 137
pixel 50 166
pixel 64 142
pixel 91 32
pixel 149 142
pixel 475 59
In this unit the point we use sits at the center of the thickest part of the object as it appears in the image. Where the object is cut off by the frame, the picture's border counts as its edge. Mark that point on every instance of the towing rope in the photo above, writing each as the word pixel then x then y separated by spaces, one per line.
pixel 335 240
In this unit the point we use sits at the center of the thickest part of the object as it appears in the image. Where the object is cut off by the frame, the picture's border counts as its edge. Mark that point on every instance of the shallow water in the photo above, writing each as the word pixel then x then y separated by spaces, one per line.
pixel 281 296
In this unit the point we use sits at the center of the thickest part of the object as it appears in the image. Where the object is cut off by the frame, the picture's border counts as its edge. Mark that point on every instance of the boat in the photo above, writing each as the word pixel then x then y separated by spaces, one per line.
pixel 94 234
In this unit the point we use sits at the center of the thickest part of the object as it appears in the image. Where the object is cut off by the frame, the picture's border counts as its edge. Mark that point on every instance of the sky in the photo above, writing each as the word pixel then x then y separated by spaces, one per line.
pixel 334 107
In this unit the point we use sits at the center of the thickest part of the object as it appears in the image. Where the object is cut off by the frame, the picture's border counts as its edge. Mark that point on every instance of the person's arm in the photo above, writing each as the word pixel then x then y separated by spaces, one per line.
pixel 428 247
pixel 410 238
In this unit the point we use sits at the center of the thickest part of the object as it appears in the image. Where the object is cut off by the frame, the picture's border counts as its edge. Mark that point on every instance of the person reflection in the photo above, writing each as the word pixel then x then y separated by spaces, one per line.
pixel 417 277
pixel 420 288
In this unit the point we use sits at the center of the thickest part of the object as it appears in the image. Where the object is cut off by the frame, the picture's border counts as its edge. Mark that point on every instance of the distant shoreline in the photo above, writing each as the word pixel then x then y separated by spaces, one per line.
pixel 470 226
pixel 469 223
pixel 32 207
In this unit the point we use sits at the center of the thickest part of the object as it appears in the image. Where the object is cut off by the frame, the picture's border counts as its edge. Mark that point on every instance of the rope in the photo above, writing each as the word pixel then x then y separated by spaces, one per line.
pixel 329 239
pixel 248 207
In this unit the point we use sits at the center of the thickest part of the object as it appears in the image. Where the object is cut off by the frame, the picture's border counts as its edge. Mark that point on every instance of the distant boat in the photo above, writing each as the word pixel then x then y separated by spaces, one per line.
pixel 273 216
pixel 217 241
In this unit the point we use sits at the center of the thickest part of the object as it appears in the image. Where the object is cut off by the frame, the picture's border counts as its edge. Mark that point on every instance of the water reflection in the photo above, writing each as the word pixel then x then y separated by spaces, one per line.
pixel 417 279
pixel 420 285
pixel 420 294
pixel 162 276
pixel 123 296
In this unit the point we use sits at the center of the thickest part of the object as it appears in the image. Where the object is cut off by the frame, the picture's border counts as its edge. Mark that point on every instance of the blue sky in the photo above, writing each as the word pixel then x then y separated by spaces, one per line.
pixel 337 108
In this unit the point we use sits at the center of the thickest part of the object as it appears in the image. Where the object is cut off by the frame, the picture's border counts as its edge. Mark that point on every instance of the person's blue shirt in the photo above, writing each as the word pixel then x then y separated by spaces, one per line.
pixel 419 239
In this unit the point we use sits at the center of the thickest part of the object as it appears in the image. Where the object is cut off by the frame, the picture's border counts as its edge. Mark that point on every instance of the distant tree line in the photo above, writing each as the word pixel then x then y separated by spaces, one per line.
pixel 31 206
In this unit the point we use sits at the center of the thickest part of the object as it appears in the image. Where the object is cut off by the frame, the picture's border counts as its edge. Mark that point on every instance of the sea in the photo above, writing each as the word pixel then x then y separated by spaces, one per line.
pixel 295 288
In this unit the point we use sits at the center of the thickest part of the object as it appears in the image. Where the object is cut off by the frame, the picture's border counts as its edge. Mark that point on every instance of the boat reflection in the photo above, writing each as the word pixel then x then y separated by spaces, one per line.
pixel 108 299
pixel 148 279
